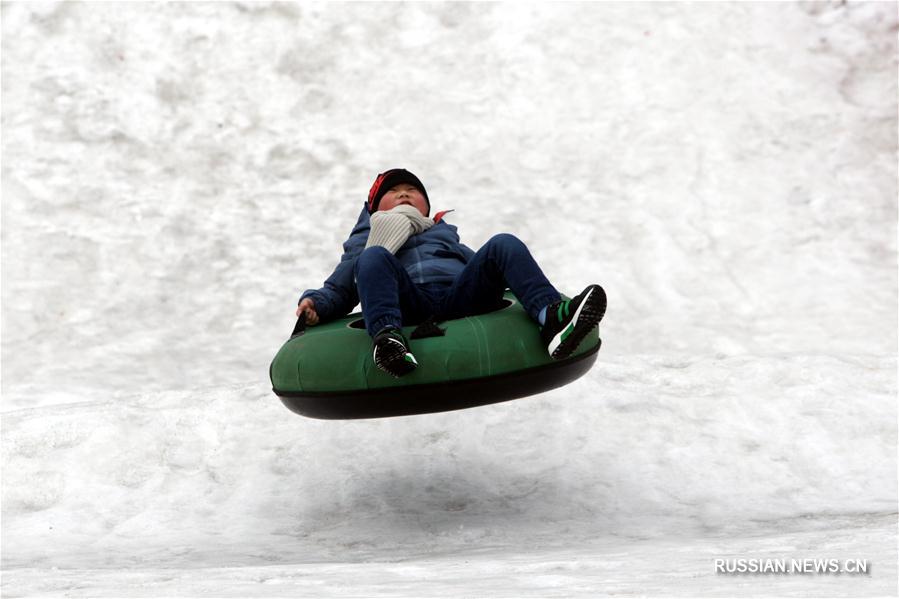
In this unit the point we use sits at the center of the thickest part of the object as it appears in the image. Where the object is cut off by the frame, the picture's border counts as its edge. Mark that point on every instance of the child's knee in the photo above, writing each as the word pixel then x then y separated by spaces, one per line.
pixel 375 255
pixel 376 252
pixel 505 241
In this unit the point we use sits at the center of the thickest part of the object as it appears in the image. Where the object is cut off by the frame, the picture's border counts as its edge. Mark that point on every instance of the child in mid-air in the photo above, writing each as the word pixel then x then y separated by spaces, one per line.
pixel 406 267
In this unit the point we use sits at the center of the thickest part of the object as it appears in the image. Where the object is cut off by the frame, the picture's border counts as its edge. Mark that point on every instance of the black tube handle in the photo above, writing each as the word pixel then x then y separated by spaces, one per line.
pixel 300 327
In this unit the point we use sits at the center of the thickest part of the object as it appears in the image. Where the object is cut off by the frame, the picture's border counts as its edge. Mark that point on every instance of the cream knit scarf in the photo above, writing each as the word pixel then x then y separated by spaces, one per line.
pixel 391 228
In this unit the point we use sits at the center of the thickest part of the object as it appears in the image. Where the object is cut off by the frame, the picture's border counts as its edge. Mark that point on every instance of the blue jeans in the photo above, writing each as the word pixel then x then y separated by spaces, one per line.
pixel 390 298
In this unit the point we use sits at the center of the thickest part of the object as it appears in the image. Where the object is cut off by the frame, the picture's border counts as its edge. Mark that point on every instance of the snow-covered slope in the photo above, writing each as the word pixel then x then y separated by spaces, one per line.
pixel 175 175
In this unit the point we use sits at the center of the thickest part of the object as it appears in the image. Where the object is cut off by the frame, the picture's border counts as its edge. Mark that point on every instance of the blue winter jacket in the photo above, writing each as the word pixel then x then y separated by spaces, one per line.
pixel 432 256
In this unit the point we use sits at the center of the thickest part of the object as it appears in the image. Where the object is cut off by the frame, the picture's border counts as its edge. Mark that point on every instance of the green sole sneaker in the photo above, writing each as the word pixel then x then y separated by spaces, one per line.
pixel 574 320
pixel 391 354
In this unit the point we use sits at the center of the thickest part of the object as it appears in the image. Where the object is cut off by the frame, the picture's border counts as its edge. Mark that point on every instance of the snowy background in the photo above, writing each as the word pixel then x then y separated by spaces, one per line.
pixel 174 175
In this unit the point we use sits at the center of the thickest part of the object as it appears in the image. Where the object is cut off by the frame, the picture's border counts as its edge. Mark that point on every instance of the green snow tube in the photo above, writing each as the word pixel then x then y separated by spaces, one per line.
pixel 328 371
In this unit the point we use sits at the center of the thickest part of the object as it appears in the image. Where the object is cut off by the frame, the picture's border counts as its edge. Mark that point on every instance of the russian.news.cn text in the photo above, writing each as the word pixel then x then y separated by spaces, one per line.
pixel 784 566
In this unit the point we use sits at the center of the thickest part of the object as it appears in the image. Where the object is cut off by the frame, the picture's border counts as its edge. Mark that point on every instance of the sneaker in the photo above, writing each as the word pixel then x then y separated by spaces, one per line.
pixel 569 321
pixel 391 353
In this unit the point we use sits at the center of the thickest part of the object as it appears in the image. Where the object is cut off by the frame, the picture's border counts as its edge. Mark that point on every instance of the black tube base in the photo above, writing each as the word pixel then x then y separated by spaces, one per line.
pixel 437 397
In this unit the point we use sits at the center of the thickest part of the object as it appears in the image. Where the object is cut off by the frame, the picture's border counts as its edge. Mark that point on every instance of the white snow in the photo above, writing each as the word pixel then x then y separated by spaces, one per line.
pixel 174 175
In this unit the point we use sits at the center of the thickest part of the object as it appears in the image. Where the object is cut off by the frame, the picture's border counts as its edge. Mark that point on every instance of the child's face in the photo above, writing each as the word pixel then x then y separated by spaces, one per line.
pixel 404 194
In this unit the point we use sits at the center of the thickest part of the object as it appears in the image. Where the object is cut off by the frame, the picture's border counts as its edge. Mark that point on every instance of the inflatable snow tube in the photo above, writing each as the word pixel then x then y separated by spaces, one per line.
pixel 328 371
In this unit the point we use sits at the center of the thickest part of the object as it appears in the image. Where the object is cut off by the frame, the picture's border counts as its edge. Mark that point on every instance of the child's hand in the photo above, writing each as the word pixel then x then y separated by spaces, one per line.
pixel 308 306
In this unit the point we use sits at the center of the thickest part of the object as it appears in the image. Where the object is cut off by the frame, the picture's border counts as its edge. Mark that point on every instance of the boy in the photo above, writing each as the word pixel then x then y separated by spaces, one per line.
pixel 404 267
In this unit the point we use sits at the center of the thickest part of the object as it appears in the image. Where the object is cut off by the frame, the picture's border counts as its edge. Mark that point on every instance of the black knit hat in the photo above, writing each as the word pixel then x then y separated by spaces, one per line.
pixel 390 179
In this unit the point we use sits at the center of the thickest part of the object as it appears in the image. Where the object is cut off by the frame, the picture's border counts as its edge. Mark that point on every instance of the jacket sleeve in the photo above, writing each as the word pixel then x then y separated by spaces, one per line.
pixel 338 295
